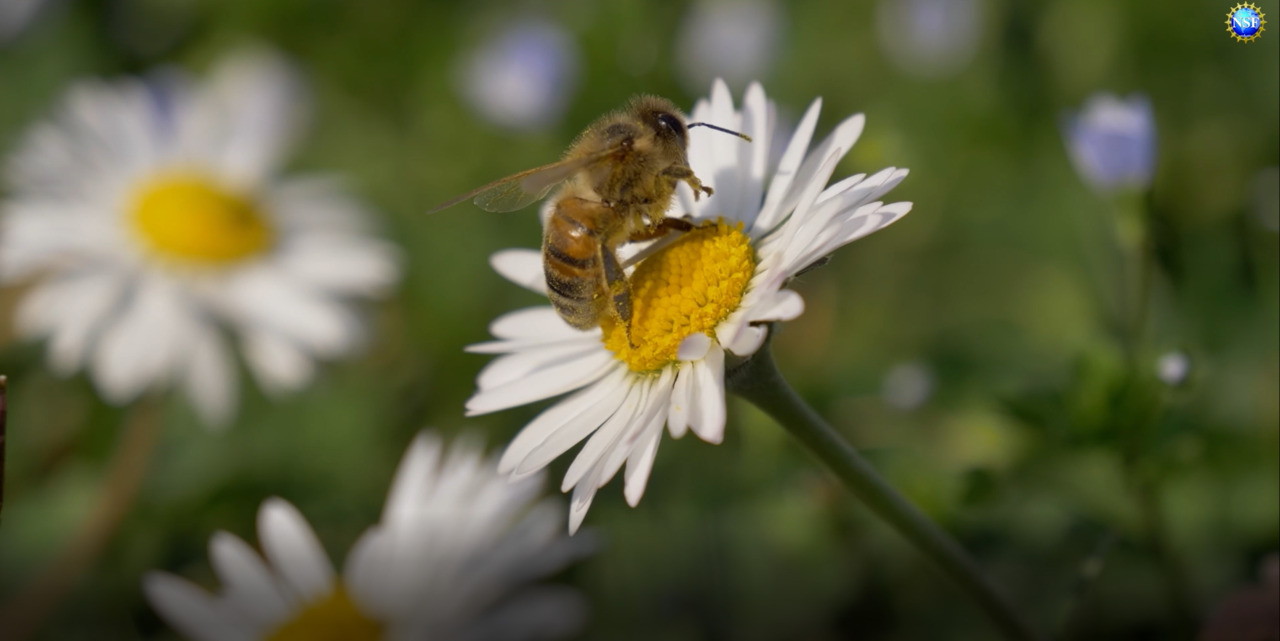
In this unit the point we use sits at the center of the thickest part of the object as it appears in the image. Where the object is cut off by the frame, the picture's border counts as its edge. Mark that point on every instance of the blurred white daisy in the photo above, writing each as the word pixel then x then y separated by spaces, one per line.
pixel 451 559
pixel 523 75
pixel 16 16
pixel 147 217
pixel 708 294
pixel 1112 142
pixel 736 40
pixel 930 38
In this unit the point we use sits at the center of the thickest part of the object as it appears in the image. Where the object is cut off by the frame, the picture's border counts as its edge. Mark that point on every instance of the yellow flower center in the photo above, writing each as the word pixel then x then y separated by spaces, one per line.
pixel 190 219
pixel 688 287
pixel 334 618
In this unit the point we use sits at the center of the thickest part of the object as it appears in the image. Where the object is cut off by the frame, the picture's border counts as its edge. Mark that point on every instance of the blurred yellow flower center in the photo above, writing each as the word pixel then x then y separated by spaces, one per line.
pixel 334 618
pixel 188 218
pixel 688 287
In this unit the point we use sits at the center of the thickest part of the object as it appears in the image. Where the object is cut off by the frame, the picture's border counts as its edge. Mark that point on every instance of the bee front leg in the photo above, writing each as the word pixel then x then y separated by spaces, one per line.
pixel 684 172
pixel 661 228
pixel 615 280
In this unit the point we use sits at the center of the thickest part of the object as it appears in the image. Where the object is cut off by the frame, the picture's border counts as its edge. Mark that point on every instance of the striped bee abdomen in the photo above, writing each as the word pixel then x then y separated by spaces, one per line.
pixel 571 260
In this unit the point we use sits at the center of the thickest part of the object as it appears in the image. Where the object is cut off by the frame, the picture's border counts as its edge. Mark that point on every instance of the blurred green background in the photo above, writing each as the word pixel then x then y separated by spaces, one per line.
pixel 971 350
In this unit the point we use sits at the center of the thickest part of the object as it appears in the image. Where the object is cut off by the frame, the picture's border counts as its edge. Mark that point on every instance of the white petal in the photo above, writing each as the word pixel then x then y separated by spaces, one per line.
pixel 862 221
pixel 747 340
pixel 808 220
pixel 249 114
pixel 815 167
pixel 545 382
pixel 524 363
pixel 649 421
pixel 540 322
pixel 757 122
pixel 413 480
pixel 345 264
pixel 736 333
pixel 266 297
pixel 522 267
pixel 895 176
pixel 392 566
pixel 248 585
pixel 610 433
pixel 783 305
pixel 579 503
pixel 315 204
pixel 194 613
pixel 104 132
pixel 707 416
pixel 639 465
pixel 819 230
pixel 563 425
pixel 71 310
pixel 278 364
pixel 140 346
pixel 48 234
pixel 532 328
pixel 771 212
pixel 681 395
pixel 693 347
pixel 293 550
pixel 365 573
pixel 841 187
pixel 210 378
pixel 883 216
pixel 717 155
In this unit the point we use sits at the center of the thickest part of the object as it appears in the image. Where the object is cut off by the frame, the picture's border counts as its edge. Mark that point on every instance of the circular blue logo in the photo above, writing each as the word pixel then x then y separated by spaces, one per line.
pixel 1245 22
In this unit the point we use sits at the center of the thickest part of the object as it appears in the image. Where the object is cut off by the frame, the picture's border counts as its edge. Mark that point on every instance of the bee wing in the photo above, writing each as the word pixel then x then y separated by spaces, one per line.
pixel 518 190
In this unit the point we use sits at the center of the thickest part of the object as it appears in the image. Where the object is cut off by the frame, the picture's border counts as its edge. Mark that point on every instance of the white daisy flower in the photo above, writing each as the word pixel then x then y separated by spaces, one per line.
pixel 734 40
pixel 450 560
pixel 930 38
pixel 148 217
pixel 707 295
pixel 16 16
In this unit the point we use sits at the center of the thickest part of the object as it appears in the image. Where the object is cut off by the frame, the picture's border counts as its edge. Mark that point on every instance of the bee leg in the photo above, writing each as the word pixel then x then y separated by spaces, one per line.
pixel 615 280
pixel 661 228
pixel 685 173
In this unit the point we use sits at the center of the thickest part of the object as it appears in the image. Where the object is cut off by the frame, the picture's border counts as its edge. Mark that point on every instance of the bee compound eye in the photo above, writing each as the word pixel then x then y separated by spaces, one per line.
pixel 672 124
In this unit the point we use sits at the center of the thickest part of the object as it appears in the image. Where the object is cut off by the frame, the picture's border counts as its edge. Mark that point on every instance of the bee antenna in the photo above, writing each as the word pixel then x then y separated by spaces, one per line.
pixel 727 131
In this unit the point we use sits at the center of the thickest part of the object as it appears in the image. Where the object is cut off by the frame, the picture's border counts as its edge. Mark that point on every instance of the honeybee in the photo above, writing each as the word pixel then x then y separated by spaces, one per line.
pixel 616 182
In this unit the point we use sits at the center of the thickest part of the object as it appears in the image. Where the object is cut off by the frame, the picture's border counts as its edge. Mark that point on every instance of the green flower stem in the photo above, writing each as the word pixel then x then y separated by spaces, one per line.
pixel 1137 272
pixel 759 381
pixel 1138 254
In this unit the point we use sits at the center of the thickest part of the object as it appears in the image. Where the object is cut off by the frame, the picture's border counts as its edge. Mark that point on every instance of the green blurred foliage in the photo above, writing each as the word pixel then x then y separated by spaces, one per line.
pixel 1046 427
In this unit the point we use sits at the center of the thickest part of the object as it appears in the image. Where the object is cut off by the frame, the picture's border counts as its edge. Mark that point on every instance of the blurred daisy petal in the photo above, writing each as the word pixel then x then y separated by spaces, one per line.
pixel 930 38
pixel 292 548
pixel 194 612
pixel 736 40
pixel 456 555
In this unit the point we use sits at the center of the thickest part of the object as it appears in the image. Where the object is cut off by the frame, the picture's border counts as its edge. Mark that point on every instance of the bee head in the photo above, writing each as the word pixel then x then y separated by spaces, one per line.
pixel 662 120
